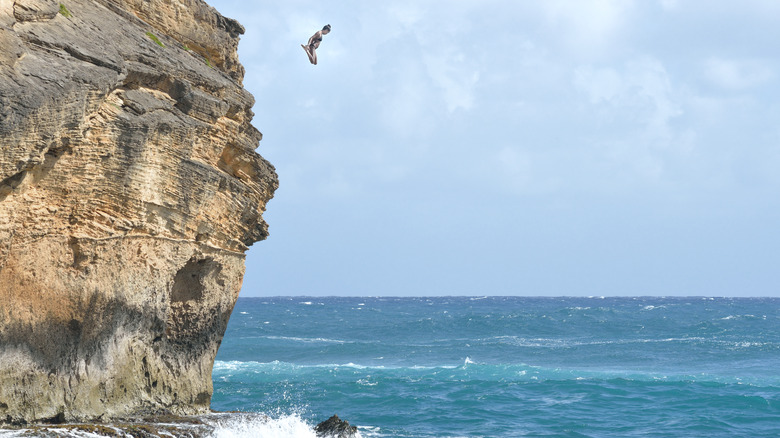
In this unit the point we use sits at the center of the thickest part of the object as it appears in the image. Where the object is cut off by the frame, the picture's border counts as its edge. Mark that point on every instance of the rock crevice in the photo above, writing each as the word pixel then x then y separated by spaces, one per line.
pixel 130 190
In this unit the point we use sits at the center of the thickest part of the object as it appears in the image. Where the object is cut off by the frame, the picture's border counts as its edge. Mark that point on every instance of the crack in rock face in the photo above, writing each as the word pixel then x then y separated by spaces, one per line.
pixel 130 190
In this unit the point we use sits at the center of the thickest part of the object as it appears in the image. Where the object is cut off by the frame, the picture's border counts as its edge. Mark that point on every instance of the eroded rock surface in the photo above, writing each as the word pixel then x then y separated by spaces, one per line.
pixel 129 193
pixel 335 427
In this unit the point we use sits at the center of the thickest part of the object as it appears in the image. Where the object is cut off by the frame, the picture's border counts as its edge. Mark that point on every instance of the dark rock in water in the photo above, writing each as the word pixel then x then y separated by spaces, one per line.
pixel 336 427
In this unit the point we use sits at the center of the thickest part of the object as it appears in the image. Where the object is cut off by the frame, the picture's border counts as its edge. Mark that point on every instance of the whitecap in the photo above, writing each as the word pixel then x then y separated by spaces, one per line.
pixel 370 431
pixel 366 382
pixel 260 426
pixel 355 366
pixel 307 340
pixel 232 365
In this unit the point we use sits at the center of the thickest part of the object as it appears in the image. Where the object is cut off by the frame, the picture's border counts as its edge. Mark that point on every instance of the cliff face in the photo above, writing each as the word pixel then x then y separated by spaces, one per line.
pixel 129 193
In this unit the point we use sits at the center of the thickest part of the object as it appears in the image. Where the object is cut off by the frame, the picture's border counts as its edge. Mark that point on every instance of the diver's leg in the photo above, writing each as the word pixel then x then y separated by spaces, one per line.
pixel 314 48
pixel 308 52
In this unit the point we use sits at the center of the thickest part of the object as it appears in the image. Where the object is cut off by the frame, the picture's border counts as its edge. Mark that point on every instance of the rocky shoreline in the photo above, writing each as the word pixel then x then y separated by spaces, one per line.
pixel 153 427
pixel 203 426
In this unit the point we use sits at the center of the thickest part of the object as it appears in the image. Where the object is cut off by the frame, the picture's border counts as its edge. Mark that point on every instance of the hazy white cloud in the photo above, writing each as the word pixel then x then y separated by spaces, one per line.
pixel 430 34
pixel 600 84
pixel 640 87
pixel 501 107
pixel 738 74
pixel 635 103
pixel 405 99
pixel 589 27
pixel 454 77
pixel 406 13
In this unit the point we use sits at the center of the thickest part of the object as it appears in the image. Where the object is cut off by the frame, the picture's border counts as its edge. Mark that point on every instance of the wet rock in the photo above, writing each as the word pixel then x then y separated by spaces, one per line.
pixel 334 427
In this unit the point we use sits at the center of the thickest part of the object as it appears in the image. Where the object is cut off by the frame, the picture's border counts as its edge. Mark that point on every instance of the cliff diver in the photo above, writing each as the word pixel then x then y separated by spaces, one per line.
pixel 314 43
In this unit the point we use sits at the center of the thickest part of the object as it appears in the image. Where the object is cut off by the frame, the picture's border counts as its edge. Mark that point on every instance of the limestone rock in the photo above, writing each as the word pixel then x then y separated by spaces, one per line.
pixel 129 193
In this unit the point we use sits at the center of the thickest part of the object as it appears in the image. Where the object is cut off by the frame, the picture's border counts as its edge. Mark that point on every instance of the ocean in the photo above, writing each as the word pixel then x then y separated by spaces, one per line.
pixel 503 366
pixel 493 367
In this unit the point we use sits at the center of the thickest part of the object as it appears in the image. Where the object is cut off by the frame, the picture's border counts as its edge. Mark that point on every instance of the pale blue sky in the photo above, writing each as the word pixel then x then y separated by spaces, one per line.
pixel 603 147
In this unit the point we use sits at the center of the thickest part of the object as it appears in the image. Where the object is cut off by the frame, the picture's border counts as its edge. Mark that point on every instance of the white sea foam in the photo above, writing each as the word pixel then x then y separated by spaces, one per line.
pixel 261 426
pixel 298 339
pixel 370 431
pixel 354 365
pixel 569 343
pixel 246 425
pixel 14 433
pixel 366 382
pixel 222 368
pixel 741 317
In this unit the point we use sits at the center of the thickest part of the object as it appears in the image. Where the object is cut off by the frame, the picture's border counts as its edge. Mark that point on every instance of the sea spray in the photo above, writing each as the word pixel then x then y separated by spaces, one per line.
pixel 261 426
pixel 222 425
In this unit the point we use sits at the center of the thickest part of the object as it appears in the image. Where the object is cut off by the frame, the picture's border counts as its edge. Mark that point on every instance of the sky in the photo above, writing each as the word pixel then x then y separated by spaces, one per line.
pixel 534 148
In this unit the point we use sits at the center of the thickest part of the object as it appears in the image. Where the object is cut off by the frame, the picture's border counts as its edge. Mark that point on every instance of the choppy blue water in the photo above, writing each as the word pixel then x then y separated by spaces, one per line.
pixel 500 366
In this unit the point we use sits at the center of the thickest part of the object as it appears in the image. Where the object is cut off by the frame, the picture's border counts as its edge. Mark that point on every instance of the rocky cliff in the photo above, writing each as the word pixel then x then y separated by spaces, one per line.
pixel 129 193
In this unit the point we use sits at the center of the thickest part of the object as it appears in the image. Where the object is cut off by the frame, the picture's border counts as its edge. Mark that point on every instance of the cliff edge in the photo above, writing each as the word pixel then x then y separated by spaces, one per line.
pixel 129 193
